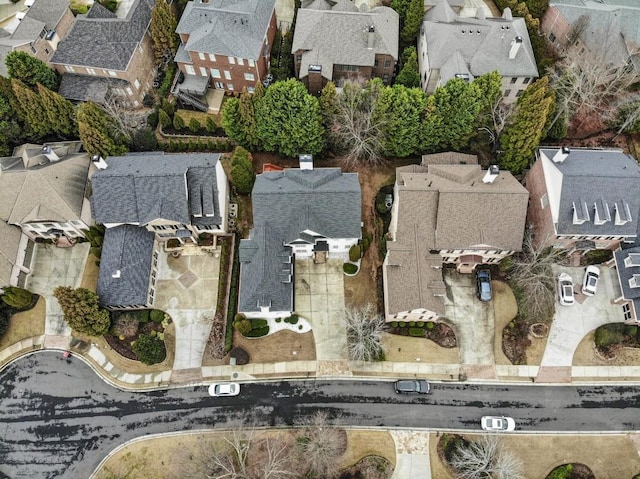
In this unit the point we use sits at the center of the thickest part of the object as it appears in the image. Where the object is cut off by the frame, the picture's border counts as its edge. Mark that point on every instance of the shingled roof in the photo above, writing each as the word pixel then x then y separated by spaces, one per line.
pixel 102 40
pixel 339 37
pixel 140 188
pixel 234 28
pixel 9 243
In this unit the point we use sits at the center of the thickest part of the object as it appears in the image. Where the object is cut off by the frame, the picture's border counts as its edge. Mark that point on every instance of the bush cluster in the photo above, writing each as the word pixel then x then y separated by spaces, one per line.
pixel 416 332
pixel 17 298
pixel 355 253
pixel 156 315
pixel 293 319
pixel 149 349
pixel 350 268
pixel 609 334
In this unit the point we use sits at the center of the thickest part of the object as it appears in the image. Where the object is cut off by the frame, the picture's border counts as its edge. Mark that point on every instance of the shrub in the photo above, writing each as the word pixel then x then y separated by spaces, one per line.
pixel 178 122
pixel 152 119
pixel 598 256
pixel 416 332
pixel 143 315
pixel 164 119
pixel 257 323
pixel 194 125
pixel 243 326
pixel 149 350
pixel 125 325
pixel 4 321
pixel 156 315
pixel 210 125
pixel 420 324
pixel 394 324
pixel 430 325
pixel 561 472
pixel 350 268
pixel 355 253
pixel 450 444
pixel 168 107
pixel 241 356
pixel 402 324
pixel 367 238
pixel 258 332
pixel 609 334
pixel 631 330
pixel 278 320
pixel 412 323
pixel 293 319
pixel 17 298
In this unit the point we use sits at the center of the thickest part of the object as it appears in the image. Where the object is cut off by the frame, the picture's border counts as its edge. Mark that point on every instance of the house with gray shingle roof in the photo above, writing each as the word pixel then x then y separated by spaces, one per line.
pixel 297 213
pixel 108 54
pixel 627 263
pixel 342 43
pixel 447 212
pixel 225 44
pixel 609 29
pixel 43 196
pixel 144 200
pixel 451 46
pixel 39 31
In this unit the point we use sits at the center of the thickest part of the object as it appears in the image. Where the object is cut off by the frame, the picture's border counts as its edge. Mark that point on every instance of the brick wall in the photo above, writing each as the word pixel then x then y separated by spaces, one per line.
pixel 537 216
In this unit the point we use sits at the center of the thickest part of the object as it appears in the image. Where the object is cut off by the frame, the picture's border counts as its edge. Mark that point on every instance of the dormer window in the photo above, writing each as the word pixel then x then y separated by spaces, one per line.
pixel 623 213
pixel 634 281
pixel 602 214
pixel 580 212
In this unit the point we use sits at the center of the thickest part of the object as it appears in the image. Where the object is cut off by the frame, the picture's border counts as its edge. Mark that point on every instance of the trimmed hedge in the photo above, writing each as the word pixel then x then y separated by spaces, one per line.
pixel 350 268
pixel 257 323
pixel 293 319
pixel 156 315
pixel 258 332
pixel 416 332
pixel 355 253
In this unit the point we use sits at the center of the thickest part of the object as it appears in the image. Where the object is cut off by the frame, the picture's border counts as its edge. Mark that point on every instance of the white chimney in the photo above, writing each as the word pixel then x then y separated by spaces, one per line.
pixel 515 46
pixel 371 36
pixel 99 162
pixel 49 153
pixel 116 275
pixel 491 174
pixel 306 162
pixel 561 155
pixel 506 14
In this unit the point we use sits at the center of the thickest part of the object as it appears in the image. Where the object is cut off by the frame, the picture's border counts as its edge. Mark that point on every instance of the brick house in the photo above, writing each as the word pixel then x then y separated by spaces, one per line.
pixel 451 46
pixel 108 54
pixel 38 32
pixel 335 41
pixel 447 211
pixel 225 44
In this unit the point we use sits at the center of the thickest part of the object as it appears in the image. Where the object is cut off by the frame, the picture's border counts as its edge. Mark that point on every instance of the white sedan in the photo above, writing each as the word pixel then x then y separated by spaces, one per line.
pixel 224 389
pixel 590 281
pixel 565 289
pixel 497 423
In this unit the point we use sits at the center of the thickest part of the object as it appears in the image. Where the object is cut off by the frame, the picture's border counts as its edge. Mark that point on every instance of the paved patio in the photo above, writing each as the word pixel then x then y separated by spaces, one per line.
pixel 187 289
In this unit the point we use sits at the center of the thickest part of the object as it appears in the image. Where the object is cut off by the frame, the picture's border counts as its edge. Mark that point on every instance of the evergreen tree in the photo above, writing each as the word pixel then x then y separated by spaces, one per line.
pixel 97 133
pixel 401 7
pixel 17 298
pixel 60 112
pixel 163 31
pixel 210 125
pixel 232 122
pixel 165 120
pixel 178 122
pixel 523 134
pixel 490 86
pixel 82 311
pixel 194 125
pixel 409 76
pixel 412 21
pixel 30 70
pixel 31 108
pixel 289 121
pixel 329 105
pixel 242 174
pixel 247 110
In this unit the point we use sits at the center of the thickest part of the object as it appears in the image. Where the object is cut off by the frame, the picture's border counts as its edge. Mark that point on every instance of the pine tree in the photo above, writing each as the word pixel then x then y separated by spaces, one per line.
pixel 30 70
pixel 96 131
pixel 165 120
pixel 328 105
pixel 409 76
pixel 242 174
pixel 178 122
pixel 82 311
pixel 247 110
pixel 163 31
pixel 412 21
pixel 31 109
pixel 60 112
pixel 523 134
pixel 194 125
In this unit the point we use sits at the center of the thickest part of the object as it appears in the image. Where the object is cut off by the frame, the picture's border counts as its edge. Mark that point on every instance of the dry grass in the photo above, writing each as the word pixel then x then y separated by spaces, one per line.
pixel 406 349
pixel 90 274
pixel 25 325
pixel 616 455
pixel 129 365
pixel 278 347
pixel 505 309
pixel 186 115
pixel 161 458
pixel 585 355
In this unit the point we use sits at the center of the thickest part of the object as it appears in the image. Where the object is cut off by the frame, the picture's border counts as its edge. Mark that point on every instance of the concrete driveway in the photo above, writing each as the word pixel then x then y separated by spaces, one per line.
pixel 473 321
pixel 187 289
pixel 319 298
pixel 572 323
pixel 53 267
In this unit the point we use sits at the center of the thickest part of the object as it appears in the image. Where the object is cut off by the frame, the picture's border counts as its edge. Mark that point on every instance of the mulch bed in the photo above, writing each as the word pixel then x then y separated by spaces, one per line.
pixel 515 340
pixel 579 471
pixel 123 348
pixel 369 467
pixel 441 334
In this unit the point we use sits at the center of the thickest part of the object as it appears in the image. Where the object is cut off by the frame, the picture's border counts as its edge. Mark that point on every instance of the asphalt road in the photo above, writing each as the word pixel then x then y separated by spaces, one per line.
pixel 58 419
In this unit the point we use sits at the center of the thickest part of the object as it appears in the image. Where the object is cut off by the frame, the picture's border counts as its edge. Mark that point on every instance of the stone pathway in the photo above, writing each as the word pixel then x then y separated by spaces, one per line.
pixel 412 455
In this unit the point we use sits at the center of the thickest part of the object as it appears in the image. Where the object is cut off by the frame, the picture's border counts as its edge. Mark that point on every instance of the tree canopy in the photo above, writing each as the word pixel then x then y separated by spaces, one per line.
pixel 82 310
pixel 30 70
pixel 97 131
pixel 163 31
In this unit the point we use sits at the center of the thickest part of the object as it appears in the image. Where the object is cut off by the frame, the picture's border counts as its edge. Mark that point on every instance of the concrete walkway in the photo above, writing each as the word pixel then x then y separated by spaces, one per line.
pixel 572 323
pixel 319 297
pixel 412 454
pixel 53 267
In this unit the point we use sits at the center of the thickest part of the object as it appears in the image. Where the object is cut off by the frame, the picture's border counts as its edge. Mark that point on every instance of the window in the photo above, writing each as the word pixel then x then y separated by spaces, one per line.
pixel 136 84
pixel 33 50
pixel 385 78
pixel 215 73
pixel 544 201
pixel 513 80
pixel 552 37
pixel 240 61
pixel 90 71
pixel 519 93
pixel 526 81
pixel 507 92
pixel 298 58
pixel 626 310
pixel 230 86
pixel 46 50
pixel 212 57
pixel 249 77
pixel 581 51
pixel 190 70
pixel 387 63
pixel 251 63
pixel 129 91
pixel 375 63
pixel 218 85
pixel 203 71
pixel 232 61
pixel 251 89
pixel 69 68
pixel 201 55
pixel 112 73
pixel 227 75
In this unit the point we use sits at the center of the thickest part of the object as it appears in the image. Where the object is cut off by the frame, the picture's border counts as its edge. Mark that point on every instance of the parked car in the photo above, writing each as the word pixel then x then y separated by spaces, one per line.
pixel 408 386
pixel 590 281
pixel 565 289
pixel 497 423
pixel 483 277
pixel 224 389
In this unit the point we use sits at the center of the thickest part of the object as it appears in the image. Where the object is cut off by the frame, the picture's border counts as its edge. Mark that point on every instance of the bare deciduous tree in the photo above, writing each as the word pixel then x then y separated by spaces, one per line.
pixel 356 132
pixel 364 333
pixel 486 459
pixel 496 120
pixel 321 445
pixel 114 106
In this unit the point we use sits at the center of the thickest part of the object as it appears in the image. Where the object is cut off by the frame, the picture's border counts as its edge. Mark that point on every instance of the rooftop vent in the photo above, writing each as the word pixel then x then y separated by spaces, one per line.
pixel 49 153
pixel 491 174
pixel 634 281
pixel 99 162
pixel 623 213
pixel 315 68
pixel 116 275
pixel 561 154
pixel 371 36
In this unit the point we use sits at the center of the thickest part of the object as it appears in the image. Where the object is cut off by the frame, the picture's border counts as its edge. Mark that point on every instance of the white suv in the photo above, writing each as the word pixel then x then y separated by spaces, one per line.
pixel 565 290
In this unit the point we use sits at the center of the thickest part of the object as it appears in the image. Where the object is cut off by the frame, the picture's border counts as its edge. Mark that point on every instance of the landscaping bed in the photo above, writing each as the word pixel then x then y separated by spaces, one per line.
pixel 440 333
pixel 571 471
pixel 128 327
pixel 610 338
pixel 515 340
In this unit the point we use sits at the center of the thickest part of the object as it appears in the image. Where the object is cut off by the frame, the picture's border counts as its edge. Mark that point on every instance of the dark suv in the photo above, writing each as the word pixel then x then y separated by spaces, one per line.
pixel 483 278
pixel 408 386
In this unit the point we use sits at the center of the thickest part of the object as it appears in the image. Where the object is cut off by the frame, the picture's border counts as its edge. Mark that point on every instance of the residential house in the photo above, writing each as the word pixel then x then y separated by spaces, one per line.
pixel 464 8
pixel 225 44
pixel 627 262
pixel 43 196
pixel 108 55
pixel 447 211
pixel 583 199
pixel 297 213
pixel 451 46
pixel 609 30
pixel 38 31
pixel 335 41
pixel 144 200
